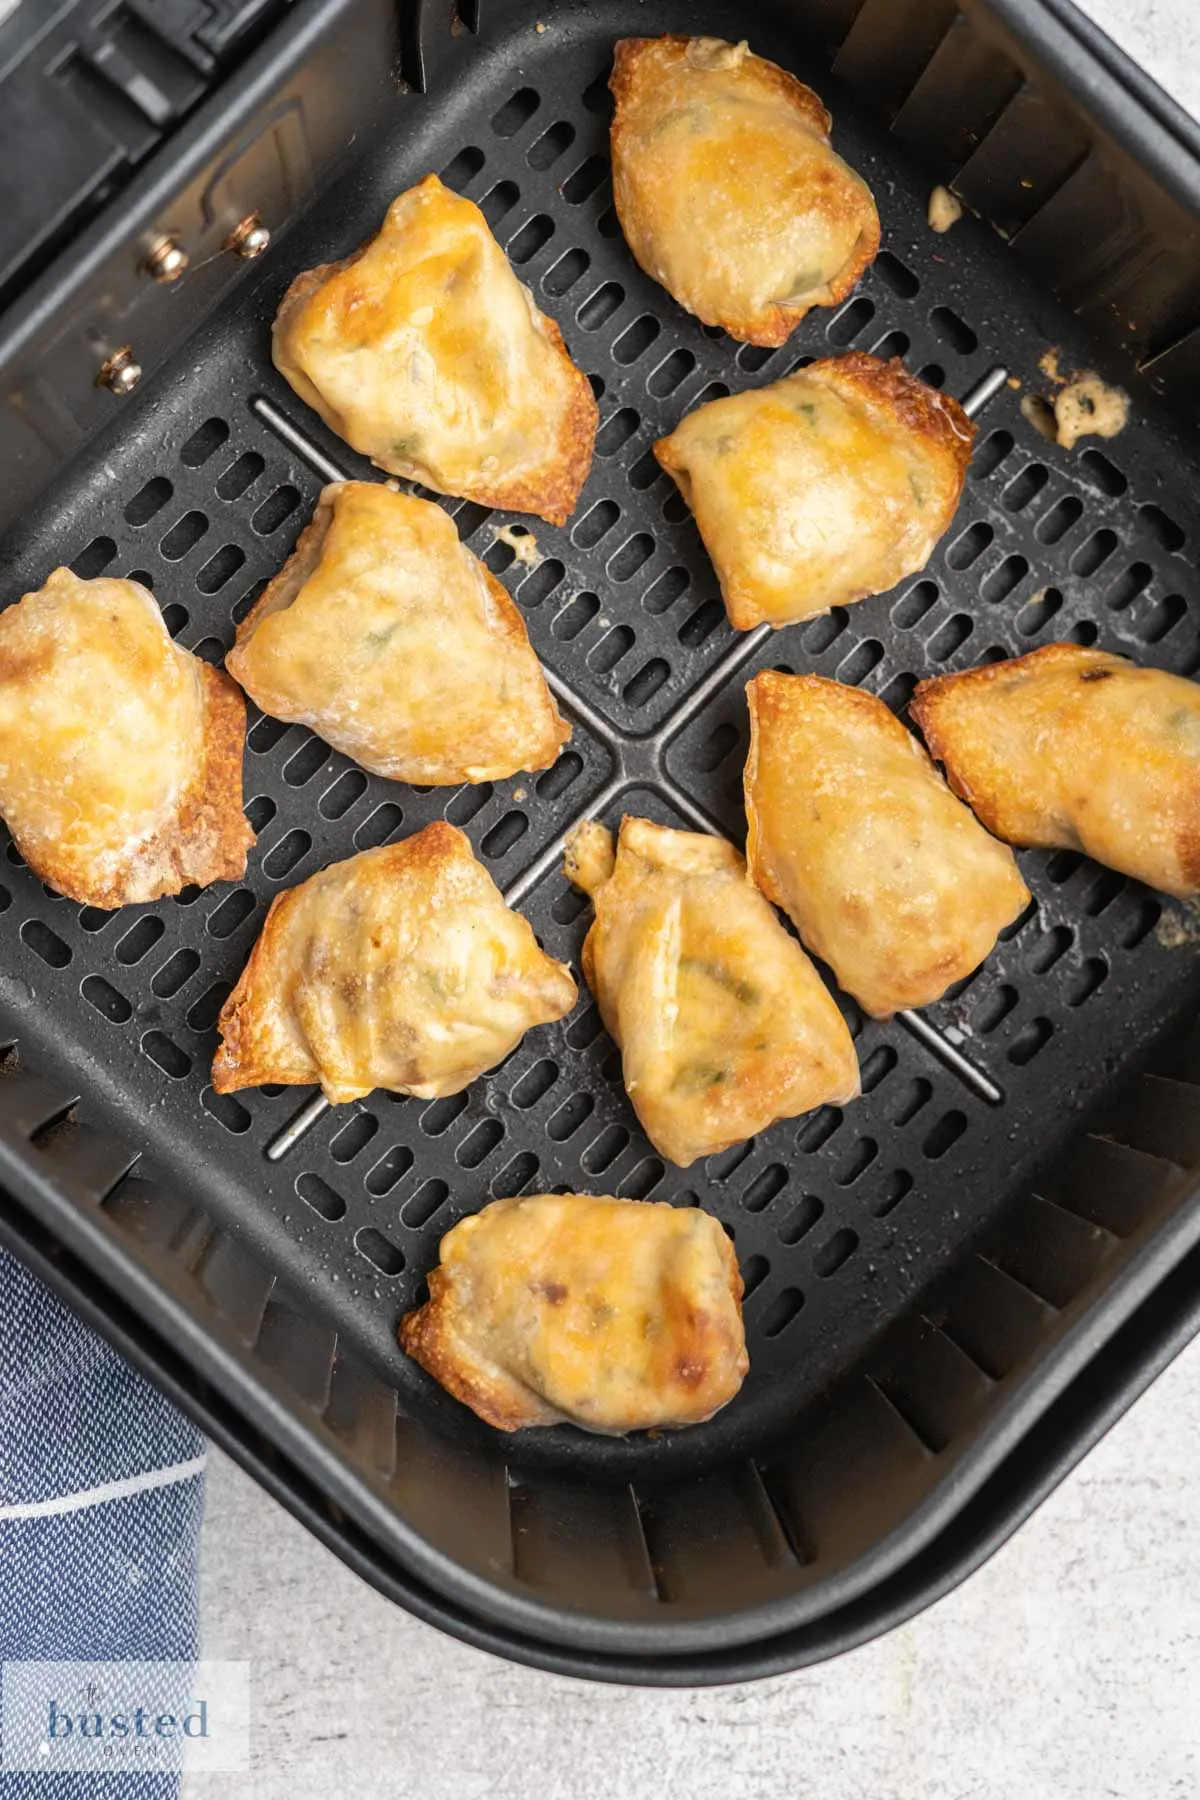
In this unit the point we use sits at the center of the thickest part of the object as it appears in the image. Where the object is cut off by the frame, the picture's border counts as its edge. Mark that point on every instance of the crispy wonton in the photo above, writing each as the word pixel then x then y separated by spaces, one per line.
pixel 385 635
pixel 727 188
pixel 615 1315
pixel 425 352
pixel 887 876
pixel 120 753
pixel 822 488
pixel 1077 749
pixel 401 968
pixel 723 1023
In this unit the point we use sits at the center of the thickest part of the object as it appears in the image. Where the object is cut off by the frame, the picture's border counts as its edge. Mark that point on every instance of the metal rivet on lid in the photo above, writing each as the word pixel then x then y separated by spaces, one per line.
pixel 249 238
pixel 121 372
pixel 166 259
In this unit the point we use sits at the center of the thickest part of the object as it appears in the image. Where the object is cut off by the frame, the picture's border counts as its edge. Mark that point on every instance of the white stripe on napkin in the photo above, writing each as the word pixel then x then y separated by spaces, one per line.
pixel 111 1490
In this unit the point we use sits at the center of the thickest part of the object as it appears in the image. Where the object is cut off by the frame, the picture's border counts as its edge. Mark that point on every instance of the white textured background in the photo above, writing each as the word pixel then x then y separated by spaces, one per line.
pixel 1067 1669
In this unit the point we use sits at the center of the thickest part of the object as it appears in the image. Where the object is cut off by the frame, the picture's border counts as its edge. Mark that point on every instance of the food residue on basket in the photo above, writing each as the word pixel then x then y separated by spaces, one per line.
pixel 1089 407
pixel 945 209
pixel 1084 406
pixel 520 541
pixel 589 855
pixel 1179 926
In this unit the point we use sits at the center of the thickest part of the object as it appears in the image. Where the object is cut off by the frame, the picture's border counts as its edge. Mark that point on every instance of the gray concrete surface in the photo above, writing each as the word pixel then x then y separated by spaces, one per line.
pixel 1162 35
pixel 1067 1669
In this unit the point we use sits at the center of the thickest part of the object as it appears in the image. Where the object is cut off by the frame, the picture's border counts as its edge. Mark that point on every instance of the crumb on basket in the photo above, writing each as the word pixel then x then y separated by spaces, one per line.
pixel 589 855
pixel 1088 407
pixel 945 209
pixel 1084 405
pixel 520 541
pixel 1179 930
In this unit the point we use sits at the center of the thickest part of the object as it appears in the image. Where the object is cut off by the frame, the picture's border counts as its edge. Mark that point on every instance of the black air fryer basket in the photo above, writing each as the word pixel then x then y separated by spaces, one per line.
pixel 952 1285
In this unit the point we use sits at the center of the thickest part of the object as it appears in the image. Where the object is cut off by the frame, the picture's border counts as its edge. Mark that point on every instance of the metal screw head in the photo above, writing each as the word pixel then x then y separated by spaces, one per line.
pixel 120 373
pixel 166 260
pixel 248 239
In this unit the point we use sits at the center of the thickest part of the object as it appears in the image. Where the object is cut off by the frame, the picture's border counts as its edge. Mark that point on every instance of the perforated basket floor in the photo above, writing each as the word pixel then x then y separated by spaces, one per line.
pixel 839 1219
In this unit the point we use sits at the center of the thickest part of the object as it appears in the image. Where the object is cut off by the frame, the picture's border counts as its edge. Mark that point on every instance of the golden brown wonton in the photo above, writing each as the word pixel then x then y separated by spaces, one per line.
pixel 822 488
pixel 854 833
pixel 425 352
pixel 400 968
pixel 120 753
pixel 385 635
pixel 615 1315
pixel 723 1023
pixel 727 188
pixel 1075 748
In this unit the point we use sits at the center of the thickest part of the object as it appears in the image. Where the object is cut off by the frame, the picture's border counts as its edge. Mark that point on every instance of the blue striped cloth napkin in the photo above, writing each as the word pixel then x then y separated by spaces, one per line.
pixel 101 1496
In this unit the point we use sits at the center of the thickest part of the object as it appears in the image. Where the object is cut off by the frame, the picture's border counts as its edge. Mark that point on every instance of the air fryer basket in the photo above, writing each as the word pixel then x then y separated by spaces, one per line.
pixel 926 1270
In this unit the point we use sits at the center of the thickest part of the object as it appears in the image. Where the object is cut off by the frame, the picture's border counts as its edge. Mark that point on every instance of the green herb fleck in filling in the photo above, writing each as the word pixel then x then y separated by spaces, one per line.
pixel 379 639
pixel 697 1078
pixel 744 992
